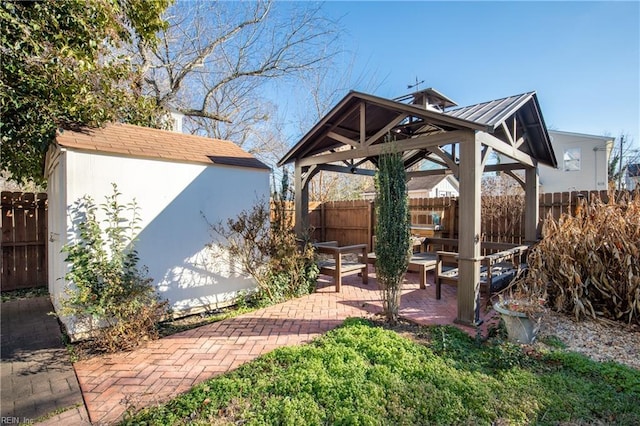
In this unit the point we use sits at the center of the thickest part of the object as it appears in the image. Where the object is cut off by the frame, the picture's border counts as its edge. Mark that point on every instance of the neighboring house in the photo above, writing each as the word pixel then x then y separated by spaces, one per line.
pixel 582 163
pixel 182 183
pixel 633 177
pixel 425 187
pixel 433 186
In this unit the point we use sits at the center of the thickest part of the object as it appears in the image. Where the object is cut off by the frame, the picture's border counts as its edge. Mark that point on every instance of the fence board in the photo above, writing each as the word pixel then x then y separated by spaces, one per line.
pixel 24 244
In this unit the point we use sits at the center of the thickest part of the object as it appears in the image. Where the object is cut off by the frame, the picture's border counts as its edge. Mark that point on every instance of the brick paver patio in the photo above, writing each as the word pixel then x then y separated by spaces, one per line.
pixel 172 365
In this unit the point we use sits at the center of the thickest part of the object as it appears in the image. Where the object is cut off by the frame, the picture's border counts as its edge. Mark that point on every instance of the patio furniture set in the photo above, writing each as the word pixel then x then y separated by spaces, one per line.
pixel 500 262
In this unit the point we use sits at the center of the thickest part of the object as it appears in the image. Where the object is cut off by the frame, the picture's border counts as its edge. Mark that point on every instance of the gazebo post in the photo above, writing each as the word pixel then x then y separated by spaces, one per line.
pixel 301 201
pixel 469 232
pixel 531 208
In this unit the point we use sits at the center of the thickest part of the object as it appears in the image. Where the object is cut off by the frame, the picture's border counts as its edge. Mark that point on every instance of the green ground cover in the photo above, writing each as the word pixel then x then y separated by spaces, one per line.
pixel 365 374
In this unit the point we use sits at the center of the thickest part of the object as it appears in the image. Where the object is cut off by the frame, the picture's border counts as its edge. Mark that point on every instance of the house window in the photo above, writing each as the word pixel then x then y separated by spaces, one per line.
pixel 572 160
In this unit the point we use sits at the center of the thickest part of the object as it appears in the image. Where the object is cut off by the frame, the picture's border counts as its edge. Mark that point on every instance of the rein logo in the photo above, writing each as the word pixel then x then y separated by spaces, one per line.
pixel 5 420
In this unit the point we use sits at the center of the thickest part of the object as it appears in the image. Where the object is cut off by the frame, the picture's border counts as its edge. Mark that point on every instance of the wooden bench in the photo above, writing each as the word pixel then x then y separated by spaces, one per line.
pixel 421 263
pixel 337 267
pixel 497 268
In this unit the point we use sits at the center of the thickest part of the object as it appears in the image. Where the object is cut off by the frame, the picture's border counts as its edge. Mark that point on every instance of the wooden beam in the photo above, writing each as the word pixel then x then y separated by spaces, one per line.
pixel 516 178
pixel 506 149
pixel 434 172
pixel 446 157
pixel 531 205
pixel 330 128
pixel 342 169
pixel 301 200
pixel 469 231
pixel 386 129
pixel 436 160
pixel 363 123
pixel 507 131
pixel 377 149
pixel 309 174
pixel 504 167
pixel 486 153
pixel 345 140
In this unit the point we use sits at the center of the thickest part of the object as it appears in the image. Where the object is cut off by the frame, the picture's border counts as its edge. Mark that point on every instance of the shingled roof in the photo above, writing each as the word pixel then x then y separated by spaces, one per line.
pixel 144 142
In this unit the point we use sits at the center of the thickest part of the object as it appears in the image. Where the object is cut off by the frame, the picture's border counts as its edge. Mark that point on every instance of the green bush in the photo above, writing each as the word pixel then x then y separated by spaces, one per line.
pixel 392 231
pixel 107 292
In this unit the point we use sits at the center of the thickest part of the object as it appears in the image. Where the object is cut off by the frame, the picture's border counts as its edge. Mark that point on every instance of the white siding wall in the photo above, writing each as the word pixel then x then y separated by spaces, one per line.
pixel 444 188
pixel 593 152
pixel 174 199
pixel 56 223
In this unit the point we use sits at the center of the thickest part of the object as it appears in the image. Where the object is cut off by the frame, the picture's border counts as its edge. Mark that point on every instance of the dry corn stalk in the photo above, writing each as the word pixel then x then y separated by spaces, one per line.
pixel 591 261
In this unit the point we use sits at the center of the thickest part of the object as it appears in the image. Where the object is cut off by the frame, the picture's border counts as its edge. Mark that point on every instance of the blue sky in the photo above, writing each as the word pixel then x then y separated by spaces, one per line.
pixel 582 58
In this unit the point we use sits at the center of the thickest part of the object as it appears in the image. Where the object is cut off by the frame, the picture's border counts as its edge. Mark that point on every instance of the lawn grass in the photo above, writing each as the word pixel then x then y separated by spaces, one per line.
pixel 364 374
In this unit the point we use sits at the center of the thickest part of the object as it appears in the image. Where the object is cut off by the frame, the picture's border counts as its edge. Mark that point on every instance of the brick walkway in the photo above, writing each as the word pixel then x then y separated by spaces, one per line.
pixel 172 365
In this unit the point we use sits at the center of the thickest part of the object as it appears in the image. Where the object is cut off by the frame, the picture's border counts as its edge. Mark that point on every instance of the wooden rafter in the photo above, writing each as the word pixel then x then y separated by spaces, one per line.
pixel 333 126
pixel 504 167
pixel 342 169
pixel 339 138
pixel 507 131
pixel 434 172
pixel 517 178
pixel 375 150
pixel 486 153
pixel 386 129
pixel 447 158
pixel 363 123
pixel 505 149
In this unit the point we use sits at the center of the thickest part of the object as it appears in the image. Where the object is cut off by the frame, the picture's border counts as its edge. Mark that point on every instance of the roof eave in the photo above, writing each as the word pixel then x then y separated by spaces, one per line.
pixel 398 106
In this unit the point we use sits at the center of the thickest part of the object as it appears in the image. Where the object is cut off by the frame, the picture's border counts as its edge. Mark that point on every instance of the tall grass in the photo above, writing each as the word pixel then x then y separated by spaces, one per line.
pixel 591 260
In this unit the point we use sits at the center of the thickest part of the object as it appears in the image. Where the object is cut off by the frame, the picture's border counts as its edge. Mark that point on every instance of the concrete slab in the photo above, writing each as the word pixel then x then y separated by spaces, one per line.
pixel 37 376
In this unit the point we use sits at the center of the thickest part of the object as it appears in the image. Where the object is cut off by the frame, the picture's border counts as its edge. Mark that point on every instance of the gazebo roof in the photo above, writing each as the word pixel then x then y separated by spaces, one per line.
pixel 341 127
pixel 526 109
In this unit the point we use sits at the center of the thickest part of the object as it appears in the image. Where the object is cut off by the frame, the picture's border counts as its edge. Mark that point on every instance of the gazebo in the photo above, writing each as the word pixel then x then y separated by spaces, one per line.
pixel 422 125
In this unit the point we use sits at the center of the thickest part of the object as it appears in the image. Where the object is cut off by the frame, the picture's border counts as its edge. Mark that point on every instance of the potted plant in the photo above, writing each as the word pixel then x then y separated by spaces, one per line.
pixel 522 306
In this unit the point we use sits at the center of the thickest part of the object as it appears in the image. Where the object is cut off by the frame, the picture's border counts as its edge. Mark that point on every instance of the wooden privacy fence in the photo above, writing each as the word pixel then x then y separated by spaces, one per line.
pixel 24 240
pixel 24 225
pixel 502 220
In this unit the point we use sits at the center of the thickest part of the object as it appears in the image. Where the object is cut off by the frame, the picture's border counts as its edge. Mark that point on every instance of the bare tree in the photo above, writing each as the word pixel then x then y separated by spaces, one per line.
pixel 324 88
pixel 214 60
pixel 622 155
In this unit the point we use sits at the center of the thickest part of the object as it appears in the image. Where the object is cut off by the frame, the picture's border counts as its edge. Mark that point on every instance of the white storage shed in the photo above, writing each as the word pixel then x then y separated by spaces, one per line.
pixel 181 183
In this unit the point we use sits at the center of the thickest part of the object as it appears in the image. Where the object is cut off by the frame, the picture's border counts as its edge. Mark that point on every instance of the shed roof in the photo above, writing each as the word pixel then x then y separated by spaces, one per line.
pixel 137 141
pixel 418 183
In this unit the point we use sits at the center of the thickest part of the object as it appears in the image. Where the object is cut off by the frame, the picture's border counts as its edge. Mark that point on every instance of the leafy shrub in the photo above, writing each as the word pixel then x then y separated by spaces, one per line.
pixel 106 290
pixel 591 261
pixel 263 241
pixel 392 231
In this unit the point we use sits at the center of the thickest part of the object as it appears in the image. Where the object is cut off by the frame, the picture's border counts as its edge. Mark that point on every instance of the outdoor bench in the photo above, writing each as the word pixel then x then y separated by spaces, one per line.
pixel 337 265
pixel 496 271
